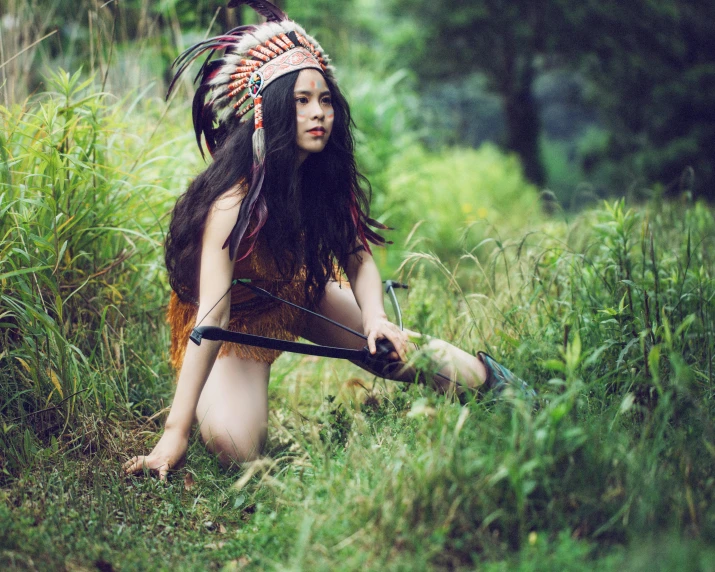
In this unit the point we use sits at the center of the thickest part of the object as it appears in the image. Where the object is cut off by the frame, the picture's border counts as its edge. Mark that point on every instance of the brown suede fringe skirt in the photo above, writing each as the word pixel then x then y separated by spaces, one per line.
pixel 252 315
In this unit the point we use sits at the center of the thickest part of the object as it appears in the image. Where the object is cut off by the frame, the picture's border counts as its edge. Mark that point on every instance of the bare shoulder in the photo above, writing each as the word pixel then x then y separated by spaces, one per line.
pixel 230 200
pixel 223 214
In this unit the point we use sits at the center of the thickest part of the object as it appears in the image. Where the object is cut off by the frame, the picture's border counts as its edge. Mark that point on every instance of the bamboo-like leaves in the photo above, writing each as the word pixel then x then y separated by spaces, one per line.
pixel 80 242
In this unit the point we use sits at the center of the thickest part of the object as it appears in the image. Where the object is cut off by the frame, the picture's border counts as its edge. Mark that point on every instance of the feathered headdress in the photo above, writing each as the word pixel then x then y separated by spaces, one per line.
pixel 253 56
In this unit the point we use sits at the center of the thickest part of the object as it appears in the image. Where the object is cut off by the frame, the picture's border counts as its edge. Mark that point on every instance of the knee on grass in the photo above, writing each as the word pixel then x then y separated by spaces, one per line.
pixel 232 451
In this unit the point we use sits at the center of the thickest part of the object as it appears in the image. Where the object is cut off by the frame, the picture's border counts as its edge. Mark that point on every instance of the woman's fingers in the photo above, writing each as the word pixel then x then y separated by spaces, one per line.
pixel 134 465
pixel 138 464
pixel 167 453
pixel 390 332
pixel 371 342
pixel 398 340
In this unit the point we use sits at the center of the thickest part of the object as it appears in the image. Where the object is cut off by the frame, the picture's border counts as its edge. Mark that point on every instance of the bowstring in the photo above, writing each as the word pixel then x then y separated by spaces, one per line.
pixel 261 292
pixel 233 283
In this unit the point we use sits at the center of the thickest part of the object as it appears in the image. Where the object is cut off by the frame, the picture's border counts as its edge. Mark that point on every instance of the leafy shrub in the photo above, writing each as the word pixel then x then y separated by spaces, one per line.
pixel 382 106
pixel 460 196
pixel 81 202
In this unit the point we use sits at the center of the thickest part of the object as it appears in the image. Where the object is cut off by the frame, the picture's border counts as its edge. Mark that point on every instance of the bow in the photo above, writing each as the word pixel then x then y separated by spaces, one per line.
pixel 379 362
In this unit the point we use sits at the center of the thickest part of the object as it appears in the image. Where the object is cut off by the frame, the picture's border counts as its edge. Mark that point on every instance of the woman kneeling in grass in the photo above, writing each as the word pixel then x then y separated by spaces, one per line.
pixel 282 204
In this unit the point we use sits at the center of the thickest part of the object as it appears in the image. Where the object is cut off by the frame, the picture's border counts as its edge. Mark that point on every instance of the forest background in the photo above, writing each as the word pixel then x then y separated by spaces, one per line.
pixel 491 132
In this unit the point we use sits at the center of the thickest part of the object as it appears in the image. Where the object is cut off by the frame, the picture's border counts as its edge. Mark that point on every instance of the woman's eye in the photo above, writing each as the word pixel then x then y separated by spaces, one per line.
pixel 327 101
pixel 301 100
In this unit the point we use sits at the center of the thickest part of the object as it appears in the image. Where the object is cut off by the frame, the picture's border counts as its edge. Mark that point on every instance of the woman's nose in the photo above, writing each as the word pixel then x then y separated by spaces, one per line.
pixel 316 110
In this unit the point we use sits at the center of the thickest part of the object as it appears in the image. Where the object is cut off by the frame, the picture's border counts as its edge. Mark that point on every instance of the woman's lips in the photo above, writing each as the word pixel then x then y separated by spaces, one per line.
pixel 317 131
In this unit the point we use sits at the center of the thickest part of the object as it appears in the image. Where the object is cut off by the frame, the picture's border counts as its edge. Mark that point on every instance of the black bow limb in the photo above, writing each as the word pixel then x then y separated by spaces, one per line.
pixel 214 333
pixel 379 362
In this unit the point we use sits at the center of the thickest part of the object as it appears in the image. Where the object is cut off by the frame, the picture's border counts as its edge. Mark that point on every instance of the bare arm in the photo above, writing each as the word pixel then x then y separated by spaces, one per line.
pixel 367 286
pixel 215 278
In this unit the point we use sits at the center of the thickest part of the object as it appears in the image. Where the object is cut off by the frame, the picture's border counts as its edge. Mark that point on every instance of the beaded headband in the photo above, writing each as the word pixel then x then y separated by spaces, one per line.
pixel 253 57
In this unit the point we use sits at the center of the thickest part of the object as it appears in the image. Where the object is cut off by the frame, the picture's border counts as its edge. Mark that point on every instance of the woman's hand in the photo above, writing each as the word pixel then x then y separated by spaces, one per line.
pixel 378 326
pixel 167 453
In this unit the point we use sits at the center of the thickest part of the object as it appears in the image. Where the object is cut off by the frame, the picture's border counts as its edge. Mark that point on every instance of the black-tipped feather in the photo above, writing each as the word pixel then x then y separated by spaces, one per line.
pixel 187 57
pixel 216 43
pixel 240 30
pixel 231 37
pixel 207 126
pixel 261 211
pixel 268 10
pixel 209 68
pixel 199 113
pixel 377 224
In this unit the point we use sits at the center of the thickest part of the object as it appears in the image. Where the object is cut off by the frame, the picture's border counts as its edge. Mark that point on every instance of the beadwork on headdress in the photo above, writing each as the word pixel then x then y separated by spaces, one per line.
pixel 254 56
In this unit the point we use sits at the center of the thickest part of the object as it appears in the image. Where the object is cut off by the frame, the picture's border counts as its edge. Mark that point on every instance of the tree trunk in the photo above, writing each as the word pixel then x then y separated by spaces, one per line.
pixel 522 123
pixel 232 18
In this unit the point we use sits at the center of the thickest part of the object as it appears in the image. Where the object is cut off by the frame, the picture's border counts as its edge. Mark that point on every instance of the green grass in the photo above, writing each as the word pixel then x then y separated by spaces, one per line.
pixel 609 314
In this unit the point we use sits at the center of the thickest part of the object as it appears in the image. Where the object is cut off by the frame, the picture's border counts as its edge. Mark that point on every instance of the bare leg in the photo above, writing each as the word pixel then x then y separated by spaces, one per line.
pixel 340 305
pixel 233 409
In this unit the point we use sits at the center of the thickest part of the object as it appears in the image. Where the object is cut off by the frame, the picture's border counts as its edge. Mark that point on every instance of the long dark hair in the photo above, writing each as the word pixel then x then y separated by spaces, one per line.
pixel 315 212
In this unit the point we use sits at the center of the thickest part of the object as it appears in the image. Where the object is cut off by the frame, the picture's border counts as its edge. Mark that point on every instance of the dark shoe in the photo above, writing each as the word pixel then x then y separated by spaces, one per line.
pixel 499 378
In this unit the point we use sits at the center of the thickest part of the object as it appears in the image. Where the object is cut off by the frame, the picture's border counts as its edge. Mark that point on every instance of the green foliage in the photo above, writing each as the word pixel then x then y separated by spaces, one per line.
pixel 81 199
pixel 337 423
pixel 633 286
pixel 503 42
pixel 619 329
pixel 382 105
pixel 623 50
pixel 566 180
pixel 457 197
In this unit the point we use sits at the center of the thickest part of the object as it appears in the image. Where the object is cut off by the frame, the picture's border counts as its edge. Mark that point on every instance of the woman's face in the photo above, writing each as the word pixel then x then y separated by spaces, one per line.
pixel 314 112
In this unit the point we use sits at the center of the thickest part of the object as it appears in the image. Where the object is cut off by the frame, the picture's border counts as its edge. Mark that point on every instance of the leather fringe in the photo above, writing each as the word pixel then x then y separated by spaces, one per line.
pixel 279 321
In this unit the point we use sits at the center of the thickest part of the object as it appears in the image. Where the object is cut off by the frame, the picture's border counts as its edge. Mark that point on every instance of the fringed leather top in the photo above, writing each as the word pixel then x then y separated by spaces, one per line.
pixel 249 313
